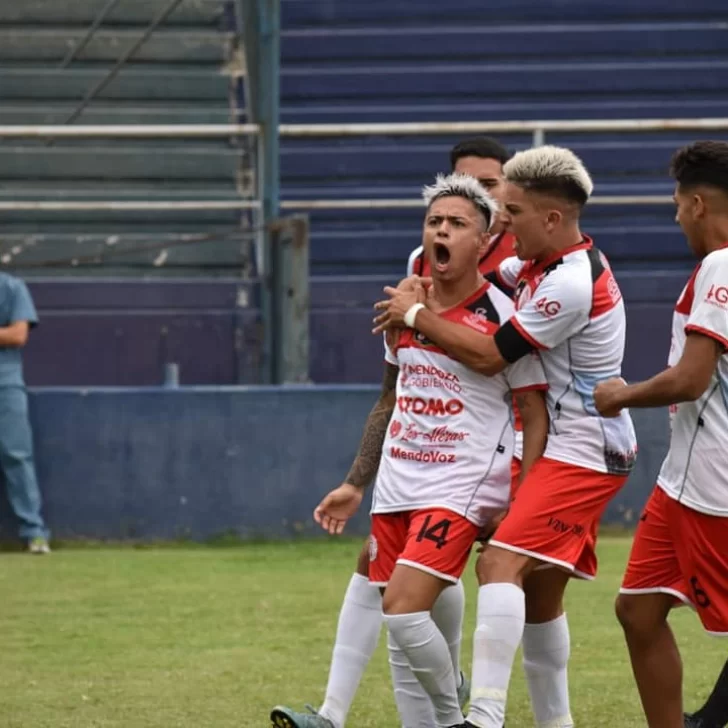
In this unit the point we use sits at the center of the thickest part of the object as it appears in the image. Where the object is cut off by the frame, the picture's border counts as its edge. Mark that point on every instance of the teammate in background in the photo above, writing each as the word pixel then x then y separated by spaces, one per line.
pixel 570 309
pixel 445 468
pixel 680 549
pixel 482 158
pixel 360 618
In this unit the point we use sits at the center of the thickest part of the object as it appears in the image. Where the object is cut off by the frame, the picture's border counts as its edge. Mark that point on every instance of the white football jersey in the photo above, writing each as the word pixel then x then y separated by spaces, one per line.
pixel 695 471
pixel 449 442
pixel 569 308
pixel 498 248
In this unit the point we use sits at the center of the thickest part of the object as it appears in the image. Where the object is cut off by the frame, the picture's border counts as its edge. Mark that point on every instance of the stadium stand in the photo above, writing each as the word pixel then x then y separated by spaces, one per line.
pixel 526 60
pixel 342 62
pixel 186 72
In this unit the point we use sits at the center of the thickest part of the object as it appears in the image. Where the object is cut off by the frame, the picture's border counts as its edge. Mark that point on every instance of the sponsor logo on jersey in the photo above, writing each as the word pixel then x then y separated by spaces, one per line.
pixel 432 383
pixel 428 376
pixel 437 436
pixel 434 457
pixel 395 428
pixel 718 296
pixel 613 289
pixel 547 308
pixel 429 370
pixel 477 322
pixel 434 407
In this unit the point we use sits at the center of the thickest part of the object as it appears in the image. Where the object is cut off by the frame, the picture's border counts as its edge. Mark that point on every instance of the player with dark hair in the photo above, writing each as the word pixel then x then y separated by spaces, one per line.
pixel 482 158
pixel 680 549
pixel 568 308
pixel 360 618
pixel 445 469
pixel 481 147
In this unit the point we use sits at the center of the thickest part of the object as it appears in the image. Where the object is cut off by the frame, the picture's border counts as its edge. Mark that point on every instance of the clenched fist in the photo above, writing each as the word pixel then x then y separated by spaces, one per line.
pixel 607 396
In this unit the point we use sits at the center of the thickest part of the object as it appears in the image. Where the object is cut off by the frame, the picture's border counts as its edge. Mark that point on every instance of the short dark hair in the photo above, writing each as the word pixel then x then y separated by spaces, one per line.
pixel 482 146
pixel 702 163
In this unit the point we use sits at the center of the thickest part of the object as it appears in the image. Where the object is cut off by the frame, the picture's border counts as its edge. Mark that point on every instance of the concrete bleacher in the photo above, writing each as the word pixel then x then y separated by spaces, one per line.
pixel 386 62
pixel 184 73
pixel 504 60
pixel 342 61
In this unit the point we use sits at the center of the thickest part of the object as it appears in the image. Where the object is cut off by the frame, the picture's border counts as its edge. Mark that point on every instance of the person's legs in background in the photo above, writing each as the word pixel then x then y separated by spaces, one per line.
pixel 18 466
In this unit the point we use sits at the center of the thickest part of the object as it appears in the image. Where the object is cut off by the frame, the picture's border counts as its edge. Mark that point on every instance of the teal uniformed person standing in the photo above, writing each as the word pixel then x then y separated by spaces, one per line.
pixel 17 317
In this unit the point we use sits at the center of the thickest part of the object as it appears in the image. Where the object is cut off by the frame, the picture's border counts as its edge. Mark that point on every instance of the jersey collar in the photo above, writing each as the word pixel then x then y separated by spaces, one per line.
pixel 585 244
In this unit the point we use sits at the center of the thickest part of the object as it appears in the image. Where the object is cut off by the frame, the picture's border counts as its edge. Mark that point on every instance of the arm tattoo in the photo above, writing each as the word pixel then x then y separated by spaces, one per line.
pixel 366 462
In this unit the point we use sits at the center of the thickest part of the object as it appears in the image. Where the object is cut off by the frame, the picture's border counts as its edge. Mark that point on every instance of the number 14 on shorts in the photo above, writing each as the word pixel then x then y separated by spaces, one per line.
pixel 434 532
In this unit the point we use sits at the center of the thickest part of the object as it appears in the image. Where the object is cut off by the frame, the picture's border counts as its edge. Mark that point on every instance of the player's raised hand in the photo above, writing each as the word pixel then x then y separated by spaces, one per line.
pixel 607 396
pixel 409 292
pixel 338 507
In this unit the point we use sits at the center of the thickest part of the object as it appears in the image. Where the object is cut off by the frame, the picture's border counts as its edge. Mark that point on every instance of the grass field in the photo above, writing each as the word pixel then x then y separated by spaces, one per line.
pixel 212 638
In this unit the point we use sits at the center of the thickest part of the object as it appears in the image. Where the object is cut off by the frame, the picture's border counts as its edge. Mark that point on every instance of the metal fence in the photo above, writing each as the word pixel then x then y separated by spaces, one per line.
pixel 281 352
pixel 537 129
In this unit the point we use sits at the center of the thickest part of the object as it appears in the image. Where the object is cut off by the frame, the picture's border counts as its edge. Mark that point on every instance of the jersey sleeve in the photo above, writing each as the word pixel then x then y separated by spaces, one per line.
pixel 390 355
pixel 506 275
pixel 414 262
pixel 558 309
pixel 526 374
pixel 709 314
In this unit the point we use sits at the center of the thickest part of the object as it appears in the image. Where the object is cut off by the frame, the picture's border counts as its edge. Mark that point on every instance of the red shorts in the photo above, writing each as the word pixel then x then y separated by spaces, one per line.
pixel 555 515
pixel 434 540
pixel 681 552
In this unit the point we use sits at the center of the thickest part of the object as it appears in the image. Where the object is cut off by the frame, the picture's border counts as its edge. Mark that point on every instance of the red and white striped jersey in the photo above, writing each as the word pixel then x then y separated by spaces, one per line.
pixel 449 442
pixel 695 471
pixel 569 308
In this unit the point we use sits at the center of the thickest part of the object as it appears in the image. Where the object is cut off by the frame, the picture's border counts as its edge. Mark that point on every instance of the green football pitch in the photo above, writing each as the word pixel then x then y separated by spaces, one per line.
pixel 193 637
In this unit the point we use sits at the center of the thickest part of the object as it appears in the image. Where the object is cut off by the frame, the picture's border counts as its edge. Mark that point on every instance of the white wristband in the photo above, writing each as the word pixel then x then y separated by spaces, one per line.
pixel 411 315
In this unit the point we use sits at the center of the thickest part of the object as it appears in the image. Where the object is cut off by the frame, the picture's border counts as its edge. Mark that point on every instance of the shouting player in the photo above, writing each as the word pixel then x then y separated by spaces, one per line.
pixel 445 467
pixel 360 618
pixel 680 549
pixel 569 308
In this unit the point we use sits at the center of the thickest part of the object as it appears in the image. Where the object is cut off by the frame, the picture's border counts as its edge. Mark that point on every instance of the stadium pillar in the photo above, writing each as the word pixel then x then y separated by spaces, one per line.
pixel 260 21
pixel 291 300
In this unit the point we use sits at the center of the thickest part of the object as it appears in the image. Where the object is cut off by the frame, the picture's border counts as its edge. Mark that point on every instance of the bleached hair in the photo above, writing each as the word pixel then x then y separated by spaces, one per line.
pixel 550 169
pixel 465 186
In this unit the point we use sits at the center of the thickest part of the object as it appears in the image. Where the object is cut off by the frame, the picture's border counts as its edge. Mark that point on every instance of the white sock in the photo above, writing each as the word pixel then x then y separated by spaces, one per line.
pixel 501 617
pixel 546 650
pixel 413 703
pixel 360 623
pixel 429 657
pixel 448 614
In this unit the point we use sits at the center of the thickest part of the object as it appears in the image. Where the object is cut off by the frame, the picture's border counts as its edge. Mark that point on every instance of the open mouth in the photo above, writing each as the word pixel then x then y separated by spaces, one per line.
pixel 442 255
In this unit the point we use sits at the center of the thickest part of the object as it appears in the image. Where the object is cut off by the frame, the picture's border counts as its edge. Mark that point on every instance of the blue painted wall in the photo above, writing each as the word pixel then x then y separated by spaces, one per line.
pixel 200 462
pixel 119 332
